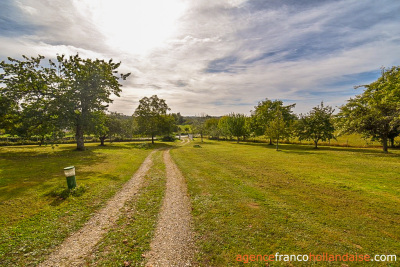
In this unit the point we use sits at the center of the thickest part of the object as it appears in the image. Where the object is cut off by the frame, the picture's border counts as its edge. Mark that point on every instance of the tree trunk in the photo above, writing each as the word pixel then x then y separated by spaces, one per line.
pixel 385 144
pixel 152 138
pixel 315 144
pixel 80 142
pixel 277 144
pixel 391 142
pixel 102 139
pixel 238 139
pixel 41 141
pixel 270 142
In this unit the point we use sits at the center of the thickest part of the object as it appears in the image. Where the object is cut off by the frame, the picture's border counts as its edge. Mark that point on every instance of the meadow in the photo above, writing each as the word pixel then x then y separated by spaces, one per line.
pixel 246 198
pixel 37 211
pixel 249 199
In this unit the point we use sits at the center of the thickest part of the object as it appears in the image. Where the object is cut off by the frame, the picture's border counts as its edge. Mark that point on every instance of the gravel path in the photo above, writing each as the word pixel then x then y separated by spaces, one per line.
pixel 173 241
pixel 76 247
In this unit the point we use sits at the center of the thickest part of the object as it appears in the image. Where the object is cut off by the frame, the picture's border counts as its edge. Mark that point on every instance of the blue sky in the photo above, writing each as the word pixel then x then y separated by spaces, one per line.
pixel 216 57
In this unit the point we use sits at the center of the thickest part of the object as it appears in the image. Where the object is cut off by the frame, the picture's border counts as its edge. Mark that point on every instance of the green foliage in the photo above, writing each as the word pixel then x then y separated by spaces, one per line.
pixel 86 86
pixel 316 125
pixel 199 125
pixel 376 112
pixel 211 127
pixel 151 117
pixel 71 92
pixel 27 101
pixel 273 119
pixel 236 125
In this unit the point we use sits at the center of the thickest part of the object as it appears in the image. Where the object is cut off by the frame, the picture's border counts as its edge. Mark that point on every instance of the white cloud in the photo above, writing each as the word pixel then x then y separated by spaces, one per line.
pixel 285 52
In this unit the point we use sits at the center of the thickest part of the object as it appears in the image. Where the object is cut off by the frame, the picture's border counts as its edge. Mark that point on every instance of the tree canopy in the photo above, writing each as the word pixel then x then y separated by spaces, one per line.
pixel 376 112
pixel 265 116
pixel 151 116
pixel 316 125
pixel 68 92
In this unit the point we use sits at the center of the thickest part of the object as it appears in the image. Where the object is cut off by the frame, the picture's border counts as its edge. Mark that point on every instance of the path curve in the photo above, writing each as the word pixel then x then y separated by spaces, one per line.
pixel 173 241
pixel 75 248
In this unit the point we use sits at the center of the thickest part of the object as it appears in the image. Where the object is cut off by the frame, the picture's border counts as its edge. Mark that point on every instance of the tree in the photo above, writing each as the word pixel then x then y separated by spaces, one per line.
pixel 236 125
pixel 199 125
pixel 266 111
pixel 178 118
pixel 212 128
pixel 149 116
pixel 27 101
pixel 376 112
pixel 223 126
pixel 100 126
pixel 278 128
pixel 85 88
pixel 316 125
pixel 67 93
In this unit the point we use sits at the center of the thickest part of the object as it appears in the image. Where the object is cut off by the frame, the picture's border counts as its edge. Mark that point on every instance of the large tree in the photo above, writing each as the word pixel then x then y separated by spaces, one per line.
pixel 85 87
pixel 376 112
pixel 69 92
pixel 316 125
pixel 265 115
pixel 150 116
pixel 28 99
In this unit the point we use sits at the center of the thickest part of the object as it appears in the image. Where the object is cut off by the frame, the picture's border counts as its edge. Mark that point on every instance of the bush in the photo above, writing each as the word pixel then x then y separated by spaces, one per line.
pixel 168 139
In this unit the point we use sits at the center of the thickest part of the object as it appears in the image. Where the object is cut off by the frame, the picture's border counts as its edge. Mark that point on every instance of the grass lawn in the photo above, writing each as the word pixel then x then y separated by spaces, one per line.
pixel 36 211
pixel 250 199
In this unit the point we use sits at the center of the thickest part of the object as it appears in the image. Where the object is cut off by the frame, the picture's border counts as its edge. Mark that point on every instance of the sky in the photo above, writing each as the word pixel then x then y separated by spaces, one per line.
pixel 216 56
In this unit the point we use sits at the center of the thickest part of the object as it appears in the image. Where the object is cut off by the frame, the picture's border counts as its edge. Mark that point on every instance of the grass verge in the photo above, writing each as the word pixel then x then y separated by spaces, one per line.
pixel 250 199
pixel 36 211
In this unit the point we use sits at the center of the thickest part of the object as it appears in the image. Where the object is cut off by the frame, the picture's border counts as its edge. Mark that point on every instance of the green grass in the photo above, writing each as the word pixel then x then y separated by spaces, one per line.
pixel 131 237
pixel 250 199
pixel 36 214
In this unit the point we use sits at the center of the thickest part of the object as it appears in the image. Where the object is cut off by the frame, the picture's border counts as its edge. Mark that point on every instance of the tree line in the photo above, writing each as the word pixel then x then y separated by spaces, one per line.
pixel 72 93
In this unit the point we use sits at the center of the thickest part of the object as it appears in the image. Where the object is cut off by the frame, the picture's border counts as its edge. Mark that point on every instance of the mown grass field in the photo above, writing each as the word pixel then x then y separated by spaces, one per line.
pixel 36 213
pixel 247 198
pixel 250 199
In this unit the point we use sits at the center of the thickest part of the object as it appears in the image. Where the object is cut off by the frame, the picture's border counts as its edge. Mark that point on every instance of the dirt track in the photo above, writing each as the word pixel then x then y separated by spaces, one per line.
pixel 173 241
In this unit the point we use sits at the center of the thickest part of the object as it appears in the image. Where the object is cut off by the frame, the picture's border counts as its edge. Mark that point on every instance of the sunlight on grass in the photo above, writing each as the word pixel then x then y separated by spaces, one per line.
pixel 35 215
pixel 250 199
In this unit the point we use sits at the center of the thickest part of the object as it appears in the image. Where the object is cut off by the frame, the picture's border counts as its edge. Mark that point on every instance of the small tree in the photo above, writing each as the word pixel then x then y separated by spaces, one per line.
pixel 316 125
pixel 236 124
pixel 212 129
pixel 223 126
pixel 199 125
pixel 149 116
pixel 265 112
pixel 278 128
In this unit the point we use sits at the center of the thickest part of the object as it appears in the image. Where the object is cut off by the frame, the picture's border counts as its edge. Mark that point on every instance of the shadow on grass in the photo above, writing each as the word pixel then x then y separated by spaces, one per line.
pixel 309 149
